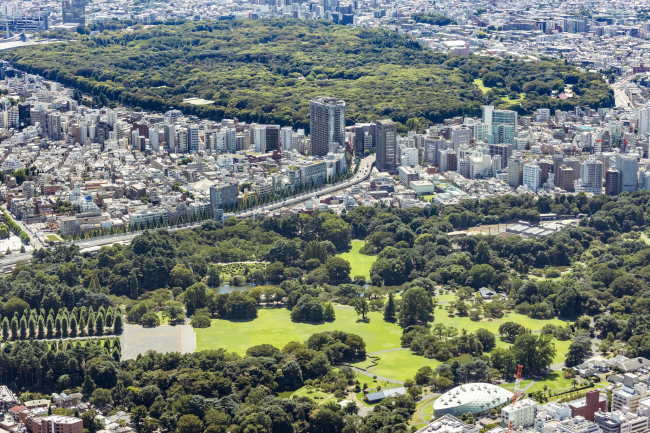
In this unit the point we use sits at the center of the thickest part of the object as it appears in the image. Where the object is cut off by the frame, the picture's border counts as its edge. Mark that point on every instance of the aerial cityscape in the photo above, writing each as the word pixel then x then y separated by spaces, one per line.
pixel 321 216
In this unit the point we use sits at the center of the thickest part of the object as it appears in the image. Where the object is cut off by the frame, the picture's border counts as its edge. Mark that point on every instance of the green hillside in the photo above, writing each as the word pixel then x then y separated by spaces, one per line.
pixel 268 70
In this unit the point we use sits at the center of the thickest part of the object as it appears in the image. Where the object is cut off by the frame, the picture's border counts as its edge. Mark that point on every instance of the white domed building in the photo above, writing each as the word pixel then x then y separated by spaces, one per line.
pixel 475 398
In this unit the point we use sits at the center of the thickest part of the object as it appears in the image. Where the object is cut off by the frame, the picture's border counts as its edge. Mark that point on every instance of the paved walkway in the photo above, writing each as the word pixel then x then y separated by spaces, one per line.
pixel 435 394
pixel 369 374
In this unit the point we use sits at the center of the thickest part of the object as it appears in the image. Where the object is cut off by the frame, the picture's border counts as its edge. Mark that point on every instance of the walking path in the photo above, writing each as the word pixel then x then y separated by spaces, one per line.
pixel 428 396
pixel 385 379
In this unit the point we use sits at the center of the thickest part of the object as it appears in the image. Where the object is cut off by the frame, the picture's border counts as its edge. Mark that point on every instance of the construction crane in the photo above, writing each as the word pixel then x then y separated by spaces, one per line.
pixel 515 397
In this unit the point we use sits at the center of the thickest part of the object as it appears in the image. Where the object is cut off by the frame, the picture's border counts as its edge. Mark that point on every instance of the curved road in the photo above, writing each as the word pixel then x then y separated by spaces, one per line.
pixel 365 168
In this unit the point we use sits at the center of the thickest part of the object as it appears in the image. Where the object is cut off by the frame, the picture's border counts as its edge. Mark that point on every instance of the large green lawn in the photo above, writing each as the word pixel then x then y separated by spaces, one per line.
pixel 493 324
pixel 401 364
pixel 274 326
pixel 360 263
pixel 479 83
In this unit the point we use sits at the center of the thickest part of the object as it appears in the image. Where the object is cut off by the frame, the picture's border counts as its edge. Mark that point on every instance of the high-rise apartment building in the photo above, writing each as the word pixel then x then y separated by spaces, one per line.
pixel 532 176
pixel 612 182
pixel 591 177
pixel 515 172
pixel 644 121
pixel 502 150
pixel 386 145
pixel 154 137
pixel 286 138
pixel 327 124
pixel 566 178
pixel 54 126
pixel 193 138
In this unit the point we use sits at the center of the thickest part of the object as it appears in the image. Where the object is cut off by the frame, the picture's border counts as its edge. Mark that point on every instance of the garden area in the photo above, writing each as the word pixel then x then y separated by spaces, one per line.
pixel 360 264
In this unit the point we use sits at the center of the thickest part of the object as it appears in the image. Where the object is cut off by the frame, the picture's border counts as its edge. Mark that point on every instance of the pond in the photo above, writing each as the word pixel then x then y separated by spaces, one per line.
pixel 228 288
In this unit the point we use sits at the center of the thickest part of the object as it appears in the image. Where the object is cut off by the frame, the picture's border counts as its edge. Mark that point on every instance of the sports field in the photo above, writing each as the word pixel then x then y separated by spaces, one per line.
pixel 360 263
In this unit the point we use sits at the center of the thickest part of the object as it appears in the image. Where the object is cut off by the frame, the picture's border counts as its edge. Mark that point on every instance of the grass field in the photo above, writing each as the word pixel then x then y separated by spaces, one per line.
pixel 274 326
pixel 314 394
pixel 54 238
pixel 360 263
pixel 554 381
pixel 401 364
pixel 479 83
pixel 446 298
pixel 493 324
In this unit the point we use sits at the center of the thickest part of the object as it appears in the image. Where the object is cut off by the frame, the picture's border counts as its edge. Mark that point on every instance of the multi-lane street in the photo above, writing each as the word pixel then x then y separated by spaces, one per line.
pixel 362 174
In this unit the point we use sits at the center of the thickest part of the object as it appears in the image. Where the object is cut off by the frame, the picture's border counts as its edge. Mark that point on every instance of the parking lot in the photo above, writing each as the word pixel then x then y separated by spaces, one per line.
pixel 138 340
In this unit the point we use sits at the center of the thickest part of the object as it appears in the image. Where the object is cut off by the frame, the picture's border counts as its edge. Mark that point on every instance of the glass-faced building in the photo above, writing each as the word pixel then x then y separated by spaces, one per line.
pixel 475 398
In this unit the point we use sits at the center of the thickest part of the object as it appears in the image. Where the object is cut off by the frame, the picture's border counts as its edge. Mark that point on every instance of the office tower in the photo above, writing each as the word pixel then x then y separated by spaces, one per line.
pixel 386 145
pixel 24 114
pixel 628 167
pixel 532 176
pixel 364 137
pixel 154 138
pixel 566 178
pixel 487 116
pixel 644 121
pixel 170 137
pixel 432 148
pixel 612 182
pixel 193 138
pixel 273 137
pixel 73 11
pixel 286 138
pixel 515 173
pixel 502 150
pixel 461 137
pixel 327 124
pixel 591 176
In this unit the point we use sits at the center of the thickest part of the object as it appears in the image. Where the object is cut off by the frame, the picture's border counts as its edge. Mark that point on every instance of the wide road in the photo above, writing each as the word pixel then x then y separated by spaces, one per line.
pixel 365 168
pixel 363 174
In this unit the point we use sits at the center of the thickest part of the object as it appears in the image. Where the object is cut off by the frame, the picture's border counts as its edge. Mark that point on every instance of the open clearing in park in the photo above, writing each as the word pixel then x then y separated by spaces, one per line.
pixel 274 326
pixel 400 364
pixel 360 263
